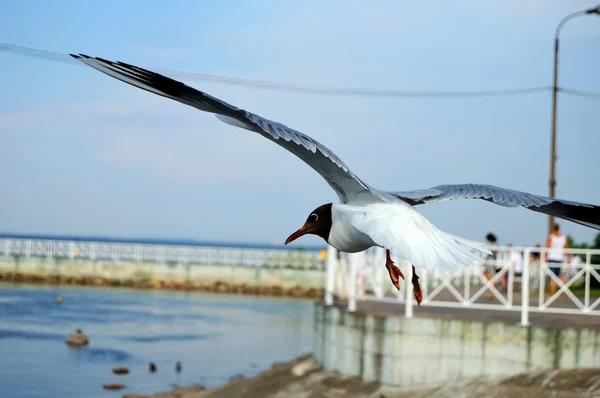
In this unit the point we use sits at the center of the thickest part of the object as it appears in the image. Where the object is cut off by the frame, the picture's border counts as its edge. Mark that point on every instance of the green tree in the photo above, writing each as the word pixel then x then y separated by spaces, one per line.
pixel 595 259
pixel 574 245
pixel 596 245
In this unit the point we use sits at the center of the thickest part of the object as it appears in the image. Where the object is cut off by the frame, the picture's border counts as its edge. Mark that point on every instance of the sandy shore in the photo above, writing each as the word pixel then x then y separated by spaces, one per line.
pixel 304 378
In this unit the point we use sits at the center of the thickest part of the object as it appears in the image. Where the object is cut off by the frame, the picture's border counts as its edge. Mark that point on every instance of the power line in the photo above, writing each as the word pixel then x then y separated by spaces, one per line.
pixel 351 91
pixel 338 91
pixel 264 84
pixel 36 53
pixel 579 93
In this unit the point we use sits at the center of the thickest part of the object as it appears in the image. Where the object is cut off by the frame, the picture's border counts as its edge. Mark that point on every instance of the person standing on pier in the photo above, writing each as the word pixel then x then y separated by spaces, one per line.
pixel 491 262
pixel 555 256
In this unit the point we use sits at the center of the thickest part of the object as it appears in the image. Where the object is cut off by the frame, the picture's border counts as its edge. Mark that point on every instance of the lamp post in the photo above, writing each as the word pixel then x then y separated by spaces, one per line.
pixel 595 10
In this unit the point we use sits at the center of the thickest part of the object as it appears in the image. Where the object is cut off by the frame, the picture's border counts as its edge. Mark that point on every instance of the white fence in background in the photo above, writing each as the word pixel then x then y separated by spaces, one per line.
pixel 488 285
pixel 152 253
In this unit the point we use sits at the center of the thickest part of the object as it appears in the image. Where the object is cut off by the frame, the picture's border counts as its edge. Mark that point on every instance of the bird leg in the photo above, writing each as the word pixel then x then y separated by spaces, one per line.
pixel 416 287
pixel 394 271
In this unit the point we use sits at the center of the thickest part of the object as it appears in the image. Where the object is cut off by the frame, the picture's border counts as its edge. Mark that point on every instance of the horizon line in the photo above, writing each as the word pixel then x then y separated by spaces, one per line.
pixel 154 241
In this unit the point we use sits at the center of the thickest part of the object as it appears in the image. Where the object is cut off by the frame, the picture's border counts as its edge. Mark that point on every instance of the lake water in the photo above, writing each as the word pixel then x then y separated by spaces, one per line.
pixel 214 336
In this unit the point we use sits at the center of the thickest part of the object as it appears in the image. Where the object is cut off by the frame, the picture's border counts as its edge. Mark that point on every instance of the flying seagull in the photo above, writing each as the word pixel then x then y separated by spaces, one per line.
pixel 365 216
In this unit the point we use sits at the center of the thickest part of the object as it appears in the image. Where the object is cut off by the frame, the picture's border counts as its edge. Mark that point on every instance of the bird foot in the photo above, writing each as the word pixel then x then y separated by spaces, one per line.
pixel 416 287
pixel 395 273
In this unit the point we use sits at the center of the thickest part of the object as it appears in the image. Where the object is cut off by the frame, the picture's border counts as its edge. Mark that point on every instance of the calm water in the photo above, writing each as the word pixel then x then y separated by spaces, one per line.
pixel 214 336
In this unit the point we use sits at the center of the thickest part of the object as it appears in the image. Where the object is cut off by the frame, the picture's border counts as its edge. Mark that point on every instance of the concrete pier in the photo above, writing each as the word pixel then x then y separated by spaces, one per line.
pixel 141 274
pixel 229 268
pixel 403 352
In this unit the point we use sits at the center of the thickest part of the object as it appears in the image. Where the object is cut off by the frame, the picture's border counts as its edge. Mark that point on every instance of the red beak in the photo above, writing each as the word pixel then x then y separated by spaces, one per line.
pixel 296 235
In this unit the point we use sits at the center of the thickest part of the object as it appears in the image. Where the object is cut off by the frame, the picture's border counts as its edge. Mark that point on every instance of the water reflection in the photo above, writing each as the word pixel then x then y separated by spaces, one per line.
pixel 98 355
pixel 215 337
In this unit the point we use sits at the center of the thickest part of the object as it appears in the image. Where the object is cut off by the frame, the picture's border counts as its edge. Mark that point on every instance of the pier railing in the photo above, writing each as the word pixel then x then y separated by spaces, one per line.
pixel 155 253
pixel 487 284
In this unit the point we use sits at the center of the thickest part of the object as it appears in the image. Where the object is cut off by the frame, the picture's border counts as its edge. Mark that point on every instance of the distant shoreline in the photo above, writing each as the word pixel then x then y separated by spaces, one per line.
pixel 159 241
pixel 217 287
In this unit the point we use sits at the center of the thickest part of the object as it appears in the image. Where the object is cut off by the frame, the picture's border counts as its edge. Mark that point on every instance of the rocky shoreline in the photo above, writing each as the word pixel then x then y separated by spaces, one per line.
pixel 304 378
pixel 217 287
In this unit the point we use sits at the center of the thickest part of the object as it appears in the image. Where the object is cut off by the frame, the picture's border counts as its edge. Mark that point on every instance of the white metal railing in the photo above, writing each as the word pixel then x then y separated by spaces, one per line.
pixel 186 254
pixel 488 284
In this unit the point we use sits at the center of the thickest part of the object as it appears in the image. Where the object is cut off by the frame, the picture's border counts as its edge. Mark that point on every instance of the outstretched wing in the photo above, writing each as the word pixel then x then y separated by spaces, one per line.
pixel 580 213
pixel 347 185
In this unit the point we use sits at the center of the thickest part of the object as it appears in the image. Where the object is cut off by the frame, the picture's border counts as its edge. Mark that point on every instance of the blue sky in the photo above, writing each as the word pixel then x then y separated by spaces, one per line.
pixel 81 153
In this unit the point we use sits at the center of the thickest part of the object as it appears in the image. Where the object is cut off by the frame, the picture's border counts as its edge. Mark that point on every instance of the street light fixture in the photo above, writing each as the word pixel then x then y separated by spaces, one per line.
pixel 595 10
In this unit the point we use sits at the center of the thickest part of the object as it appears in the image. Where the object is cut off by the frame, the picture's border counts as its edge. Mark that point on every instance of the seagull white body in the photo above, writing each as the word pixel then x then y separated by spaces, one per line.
pixel 365 216
pixel 344 236
pixel 399 228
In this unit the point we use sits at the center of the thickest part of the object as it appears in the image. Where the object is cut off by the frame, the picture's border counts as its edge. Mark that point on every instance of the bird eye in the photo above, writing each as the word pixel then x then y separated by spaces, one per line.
pixel 314 217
